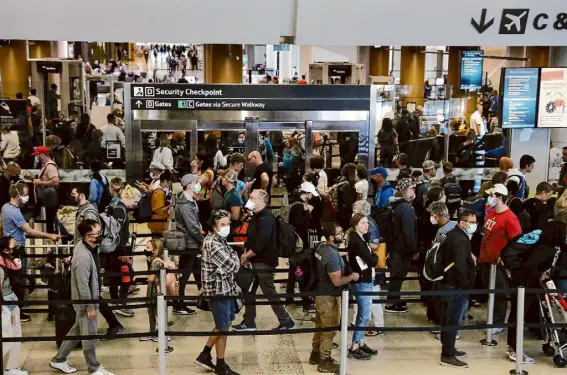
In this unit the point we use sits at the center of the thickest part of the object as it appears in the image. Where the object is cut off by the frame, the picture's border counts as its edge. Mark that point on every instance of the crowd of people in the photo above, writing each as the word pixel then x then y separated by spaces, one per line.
pixel 343 236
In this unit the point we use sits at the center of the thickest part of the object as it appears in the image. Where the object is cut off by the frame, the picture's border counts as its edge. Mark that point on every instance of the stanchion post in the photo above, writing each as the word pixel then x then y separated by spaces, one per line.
pixel 162 340
pixel 1 346
pixel 489 341
pixel 344 330
pixel 162 283
pixel 520 334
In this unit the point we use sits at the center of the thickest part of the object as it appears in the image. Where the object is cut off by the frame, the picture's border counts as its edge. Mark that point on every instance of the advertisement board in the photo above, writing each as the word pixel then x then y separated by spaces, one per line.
pixel 552 95
pixel 471 70
pixel 519 97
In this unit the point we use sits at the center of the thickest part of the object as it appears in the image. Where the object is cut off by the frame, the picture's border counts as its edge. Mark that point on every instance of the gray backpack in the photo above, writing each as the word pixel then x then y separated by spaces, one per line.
pixel 111 231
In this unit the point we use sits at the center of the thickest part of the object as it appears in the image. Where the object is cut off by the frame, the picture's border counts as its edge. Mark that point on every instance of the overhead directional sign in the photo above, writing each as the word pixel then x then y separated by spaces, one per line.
pixel 250 97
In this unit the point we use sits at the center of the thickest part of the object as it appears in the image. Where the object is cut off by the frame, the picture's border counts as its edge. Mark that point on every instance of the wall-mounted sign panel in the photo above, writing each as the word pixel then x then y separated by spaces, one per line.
pixel 519 97
pixel 471 70
pixel 552 96
pixel 250 97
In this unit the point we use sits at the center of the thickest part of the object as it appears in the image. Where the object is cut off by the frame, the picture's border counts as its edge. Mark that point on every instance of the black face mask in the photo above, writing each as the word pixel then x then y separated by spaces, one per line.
pixel 14 179
pixel 98 240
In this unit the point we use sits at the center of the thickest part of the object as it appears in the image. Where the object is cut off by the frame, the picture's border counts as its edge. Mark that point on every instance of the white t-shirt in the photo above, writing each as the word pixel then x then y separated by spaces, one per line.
pixel 164 155
pixel 361 188
pixel 323 182
pixel 111 132
pixel 476 121
pixel 34 100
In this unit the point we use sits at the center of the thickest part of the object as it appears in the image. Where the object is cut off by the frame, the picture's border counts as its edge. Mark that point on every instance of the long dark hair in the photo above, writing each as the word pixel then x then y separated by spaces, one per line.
pixel 553 234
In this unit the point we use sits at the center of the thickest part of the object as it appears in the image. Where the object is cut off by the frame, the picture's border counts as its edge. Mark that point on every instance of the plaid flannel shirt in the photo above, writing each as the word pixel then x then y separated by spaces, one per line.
pixel 220 263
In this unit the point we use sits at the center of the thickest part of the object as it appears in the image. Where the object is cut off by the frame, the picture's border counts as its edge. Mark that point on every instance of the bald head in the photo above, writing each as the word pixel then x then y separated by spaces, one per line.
pixel 255 158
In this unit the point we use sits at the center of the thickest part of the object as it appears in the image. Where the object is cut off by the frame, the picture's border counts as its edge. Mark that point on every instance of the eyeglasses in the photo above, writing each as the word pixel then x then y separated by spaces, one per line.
pixel 471 222
pixel 94 234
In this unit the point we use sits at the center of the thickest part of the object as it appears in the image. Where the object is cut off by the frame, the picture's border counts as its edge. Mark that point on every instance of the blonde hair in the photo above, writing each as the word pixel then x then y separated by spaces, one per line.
pixel 53 141
pixel 117 184
pixel 157 247
pixel 130 192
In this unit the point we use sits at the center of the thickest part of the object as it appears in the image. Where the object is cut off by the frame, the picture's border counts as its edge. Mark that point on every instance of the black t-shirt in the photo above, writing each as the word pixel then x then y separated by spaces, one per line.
pixel 260 170
pixel 540 212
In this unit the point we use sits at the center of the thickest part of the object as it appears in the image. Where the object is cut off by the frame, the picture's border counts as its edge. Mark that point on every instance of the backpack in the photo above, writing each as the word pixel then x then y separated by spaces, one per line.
pixel 217 196
pixel 433 269
pixel 143 212
pixel 287 240
pixel 333 195
pixel 284 211
pixel 111 231
pixel 105 197
pixel 384 218
pixel 452 190
pixel 517 250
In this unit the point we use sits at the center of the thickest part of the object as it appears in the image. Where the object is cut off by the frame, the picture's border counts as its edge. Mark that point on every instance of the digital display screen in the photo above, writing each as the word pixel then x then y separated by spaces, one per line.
pixel 519 97
pixel 471 70
pixel 552 95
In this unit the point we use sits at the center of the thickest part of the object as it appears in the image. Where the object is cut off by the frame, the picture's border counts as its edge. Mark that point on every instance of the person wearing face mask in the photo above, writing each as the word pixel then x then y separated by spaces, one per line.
pixel 404 243
pixel 384 190
pixel 11 324
pixel 500 226
pixel 261 253
pixel 156 169
pixel 99 193
pixel 11 175
pixel 86 210
pixel 332 275
pixel 160 204
pixel 456 258
pixel 187 221
pixel 239 144
pixel 220 264
pixel 84 286
pixel 14 225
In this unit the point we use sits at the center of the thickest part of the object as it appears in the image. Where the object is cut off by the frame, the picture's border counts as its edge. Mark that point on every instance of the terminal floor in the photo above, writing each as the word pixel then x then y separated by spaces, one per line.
pixel 281 354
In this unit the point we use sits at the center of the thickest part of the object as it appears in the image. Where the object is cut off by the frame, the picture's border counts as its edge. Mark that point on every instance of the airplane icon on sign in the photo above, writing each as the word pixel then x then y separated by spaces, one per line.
pixel 516 21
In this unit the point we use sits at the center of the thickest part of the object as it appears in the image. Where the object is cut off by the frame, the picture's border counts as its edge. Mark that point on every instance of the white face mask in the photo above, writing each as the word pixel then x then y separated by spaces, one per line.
pixel 471 229
pixel 432 220
pixel 224 231
pixel 250 205
pixel 25 199
pixel 443 199
pixel 197 188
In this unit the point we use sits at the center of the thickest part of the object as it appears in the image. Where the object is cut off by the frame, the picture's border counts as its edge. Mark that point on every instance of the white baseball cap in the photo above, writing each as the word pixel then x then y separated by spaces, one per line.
pixel 498 189
pixel 308 187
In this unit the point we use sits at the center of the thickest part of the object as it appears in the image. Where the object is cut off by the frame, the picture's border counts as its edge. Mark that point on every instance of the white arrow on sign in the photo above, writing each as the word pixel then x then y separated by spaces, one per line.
pixel 138 103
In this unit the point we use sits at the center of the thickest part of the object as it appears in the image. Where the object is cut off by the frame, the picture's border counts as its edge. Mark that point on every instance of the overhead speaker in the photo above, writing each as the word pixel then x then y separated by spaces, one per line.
pixel 4 43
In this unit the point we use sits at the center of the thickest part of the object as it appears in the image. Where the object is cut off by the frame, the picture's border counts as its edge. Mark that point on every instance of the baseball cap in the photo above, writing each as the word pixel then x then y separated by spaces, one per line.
pixel 378 170
pixel 157 165
pixel 40 150
pixel 404 184
pixel 498 189
pixel 188 178
pixel 428 165
pixel 403 159
pixel 231 176
pixel 308 187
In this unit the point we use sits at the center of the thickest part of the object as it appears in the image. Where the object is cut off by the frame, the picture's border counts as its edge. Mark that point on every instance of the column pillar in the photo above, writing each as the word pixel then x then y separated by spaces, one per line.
pixel 379 61
pixel 412 73
pixel 305 58
pixel 223 63
pixel 538 57
pixel 39 49
pixel 14 69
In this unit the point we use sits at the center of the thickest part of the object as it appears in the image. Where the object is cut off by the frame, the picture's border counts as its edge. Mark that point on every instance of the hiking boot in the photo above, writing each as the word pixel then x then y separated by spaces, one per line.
pixel 329 366
pixel 205 360
pixel 453 362
pixel 358 354
pixel 314 358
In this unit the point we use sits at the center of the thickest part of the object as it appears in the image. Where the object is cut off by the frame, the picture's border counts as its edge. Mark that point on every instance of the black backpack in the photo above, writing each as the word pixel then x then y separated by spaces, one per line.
pixel 384 218
pixel 287 240
pixel 517 250
pixel 143 212
pixel 433 269
pixel 453 190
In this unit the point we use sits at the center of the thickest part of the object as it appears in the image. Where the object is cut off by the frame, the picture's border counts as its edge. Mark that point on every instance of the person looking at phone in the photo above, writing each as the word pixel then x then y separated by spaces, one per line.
pixel 263 174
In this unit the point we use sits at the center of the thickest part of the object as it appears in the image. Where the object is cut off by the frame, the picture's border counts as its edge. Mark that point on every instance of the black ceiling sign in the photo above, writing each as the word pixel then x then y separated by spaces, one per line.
pixel 49 66
pixel 13 112
pixel 250 97
pixel 340 70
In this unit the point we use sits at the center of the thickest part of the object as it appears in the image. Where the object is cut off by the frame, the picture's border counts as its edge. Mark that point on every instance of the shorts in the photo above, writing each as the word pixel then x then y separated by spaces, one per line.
pixel 223 312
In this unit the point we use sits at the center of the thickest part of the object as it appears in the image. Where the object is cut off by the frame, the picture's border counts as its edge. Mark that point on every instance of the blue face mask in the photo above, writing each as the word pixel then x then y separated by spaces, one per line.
pixel 490 202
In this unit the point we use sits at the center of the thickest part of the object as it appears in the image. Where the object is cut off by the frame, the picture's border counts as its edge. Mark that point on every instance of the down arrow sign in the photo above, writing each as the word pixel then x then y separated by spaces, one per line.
pixel 483 25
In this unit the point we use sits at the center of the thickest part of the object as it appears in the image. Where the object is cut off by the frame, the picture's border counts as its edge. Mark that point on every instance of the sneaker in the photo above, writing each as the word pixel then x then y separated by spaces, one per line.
pixel 205 361
pixel 365 348
pixel 184 311
pixel 24 317
pixel 397 309
pixel 329 366
pixel 526 360
pixel 125 312
pixel 314 358
pixel 104 289
pixel 225 370
pixel 290 324
pixel 112 333
pixel 102 371
pixel 358 354
pixel 244 327
pixel 496 331
pixel 310 309
pixel 438 336
pixel 63 367
pixel 156 338
pixel 146 338
pixel 15 371
pixel 453 362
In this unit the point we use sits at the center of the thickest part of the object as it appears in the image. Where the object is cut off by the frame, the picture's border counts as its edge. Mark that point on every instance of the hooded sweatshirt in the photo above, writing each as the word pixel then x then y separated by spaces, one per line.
pixel 405 226
pixel 187 220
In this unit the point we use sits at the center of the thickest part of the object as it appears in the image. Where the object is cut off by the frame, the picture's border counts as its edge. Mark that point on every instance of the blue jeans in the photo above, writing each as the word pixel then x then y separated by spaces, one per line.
pixel 364 304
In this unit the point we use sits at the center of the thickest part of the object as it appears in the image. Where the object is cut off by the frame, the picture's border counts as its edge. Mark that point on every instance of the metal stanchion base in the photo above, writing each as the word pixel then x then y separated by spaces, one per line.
pixel 484 342
pixel 513 372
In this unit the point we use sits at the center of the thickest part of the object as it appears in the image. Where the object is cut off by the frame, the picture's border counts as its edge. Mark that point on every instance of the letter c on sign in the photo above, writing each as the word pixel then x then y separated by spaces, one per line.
pixel 537 24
